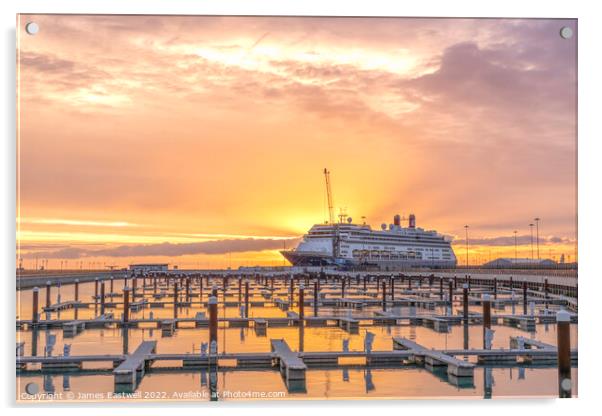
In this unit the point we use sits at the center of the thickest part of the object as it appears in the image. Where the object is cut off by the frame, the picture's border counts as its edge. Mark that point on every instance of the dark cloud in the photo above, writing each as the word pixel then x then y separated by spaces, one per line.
pixel 166 249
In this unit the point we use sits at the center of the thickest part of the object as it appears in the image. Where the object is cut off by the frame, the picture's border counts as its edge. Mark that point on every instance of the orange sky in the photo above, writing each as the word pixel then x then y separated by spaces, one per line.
pixel 210 134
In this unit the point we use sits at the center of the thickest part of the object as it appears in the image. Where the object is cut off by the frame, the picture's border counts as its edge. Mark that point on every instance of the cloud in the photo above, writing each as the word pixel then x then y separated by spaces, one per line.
pixel 167 249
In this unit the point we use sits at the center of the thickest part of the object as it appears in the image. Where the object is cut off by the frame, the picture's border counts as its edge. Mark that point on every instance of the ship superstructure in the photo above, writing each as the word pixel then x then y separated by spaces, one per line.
pixel 348 244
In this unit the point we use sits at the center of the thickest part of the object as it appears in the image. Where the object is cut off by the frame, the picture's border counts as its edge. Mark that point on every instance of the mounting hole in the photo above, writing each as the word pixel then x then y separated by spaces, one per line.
pixel 566 384
pixel 566 32
pixel 32 28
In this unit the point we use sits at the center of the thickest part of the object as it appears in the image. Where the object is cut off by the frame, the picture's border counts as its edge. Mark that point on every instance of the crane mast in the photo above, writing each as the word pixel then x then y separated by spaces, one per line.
pixel 329 196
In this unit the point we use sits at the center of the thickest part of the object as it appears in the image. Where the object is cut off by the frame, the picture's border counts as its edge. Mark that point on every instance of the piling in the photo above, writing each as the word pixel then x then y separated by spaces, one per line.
pixel 247 299
pixel 384 295
pixel 96 290
pixel 524 298
pixel 155 285
pixel 48 294
pixel 111 285
pixel 365 280
pixel 316 297
pixel 465 302
pixel 102 297
pixel 187 289
pixel 239 289
pixel 134 284
pixel 392 288
pixel 409 282
pixel 441 288
pixel 35 315
pixel 301 303
pixel 451 294
pixel 486 318
pixel 494 288
pixel 213 321
pixel 175 300
pixel 126 304
pixel 563 320
pixel 343 288
pixel 76 290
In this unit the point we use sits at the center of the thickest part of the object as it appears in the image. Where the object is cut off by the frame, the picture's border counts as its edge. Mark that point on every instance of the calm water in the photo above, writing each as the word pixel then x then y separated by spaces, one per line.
pixel 164 383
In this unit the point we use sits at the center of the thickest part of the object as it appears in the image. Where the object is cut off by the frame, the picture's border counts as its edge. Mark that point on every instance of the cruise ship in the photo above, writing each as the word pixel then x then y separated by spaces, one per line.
pixel 349 245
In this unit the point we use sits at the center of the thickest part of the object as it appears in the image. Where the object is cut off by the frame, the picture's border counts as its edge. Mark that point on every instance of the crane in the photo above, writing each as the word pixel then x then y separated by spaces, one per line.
pixel 329 195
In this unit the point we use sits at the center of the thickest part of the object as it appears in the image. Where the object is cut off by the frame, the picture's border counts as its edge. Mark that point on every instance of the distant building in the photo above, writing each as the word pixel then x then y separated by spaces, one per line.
pixel 149 267
pixel 519 263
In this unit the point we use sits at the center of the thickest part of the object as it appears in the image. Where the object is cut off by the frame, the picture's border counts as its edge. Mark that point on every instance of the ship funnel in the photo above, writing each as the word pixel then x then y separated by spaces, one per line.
pixel 412 221
pixel 397 220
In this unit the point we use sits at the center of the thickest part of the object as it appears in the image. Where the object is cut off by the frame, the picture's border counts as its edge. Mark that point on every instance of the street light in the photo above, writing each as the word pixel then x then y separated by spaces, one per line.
pixel 537 228
pixel 531 227
pixel 466 228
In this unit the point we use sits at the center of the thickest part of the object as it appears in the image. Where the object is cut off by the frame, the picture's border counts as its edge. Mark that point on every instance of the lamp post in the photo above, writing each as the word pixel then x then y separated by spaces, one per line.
pixel 531 227
pixel 466 229
pixel 537 230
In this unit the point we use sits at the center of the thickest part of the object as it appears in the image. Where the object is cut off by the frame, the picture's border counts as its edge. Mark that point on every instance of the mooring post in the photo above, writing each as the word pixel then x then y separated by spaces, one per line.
pixel 239 290
pixel 511 283
pixel 301 303
pixel 486 319
pixel 291 290
pixel 76 290
pixel 48 289
pixel 126 304
pixel 155 285
pixel 465 302
pixel 187 288
pixel 134 285
pixel 96 290
pixel 451 295
pixel 409 282
pixel 175 300
pixel 343 288
pixel 384 295
pixel 246 299
pixel 563 320
pixel 524 298
pixel 201 289
pixel 441 288
pixel 392 288
pixel 316 298
pixel 213 320
pixel 365 281
pixel 546 288
pixel 455 282
pixel 102 297
pixel 495 288
pixel 469 283
pixel 35 315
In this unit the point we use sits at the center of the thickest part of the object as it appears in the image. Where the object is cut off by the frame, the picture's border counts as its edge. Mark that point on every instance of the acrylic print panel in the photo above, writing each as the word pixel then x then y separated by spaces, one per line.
pixel 277 208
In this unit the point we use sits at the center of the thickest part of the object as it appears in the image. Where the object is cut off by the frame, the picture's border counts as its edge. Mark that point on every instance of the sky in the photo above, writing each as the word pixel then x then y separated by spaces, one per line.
pixel 201 141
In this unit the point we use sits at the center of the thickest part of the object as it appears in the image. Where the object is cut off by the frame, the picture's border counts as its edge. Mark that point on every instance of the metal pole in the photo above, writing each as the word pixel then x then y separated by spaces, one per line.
pixel 563 321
